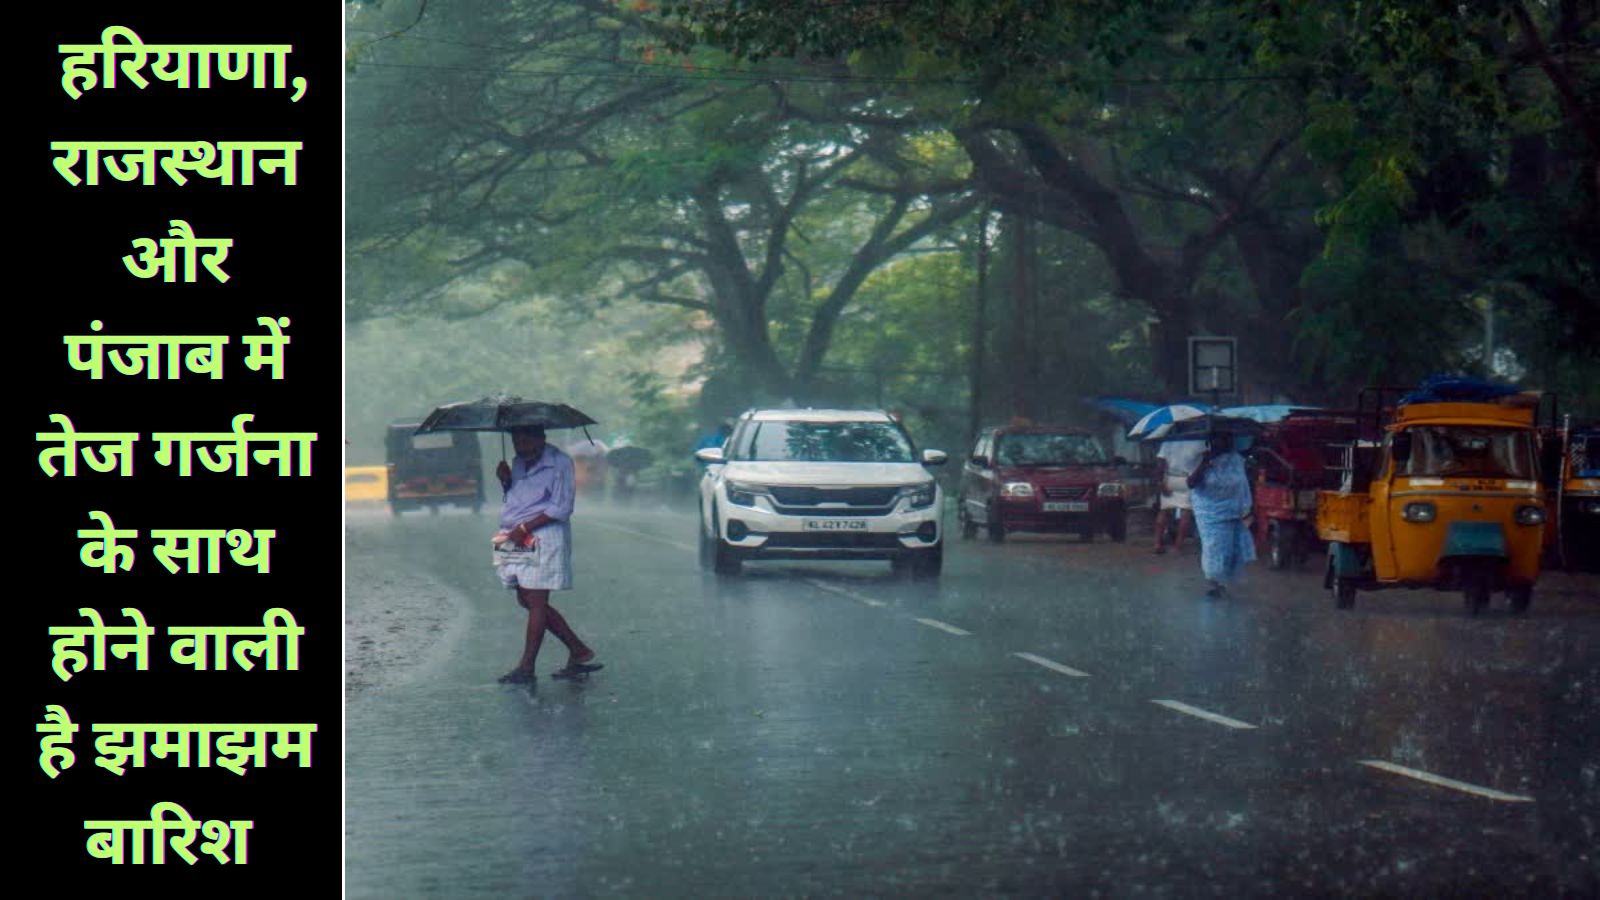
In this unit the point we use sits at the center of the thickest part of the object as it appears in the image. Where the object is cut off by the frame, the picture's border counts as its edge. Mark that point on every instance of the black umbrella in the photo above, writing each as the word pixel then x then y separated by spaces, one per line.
pixel 629 459
pixel 502 413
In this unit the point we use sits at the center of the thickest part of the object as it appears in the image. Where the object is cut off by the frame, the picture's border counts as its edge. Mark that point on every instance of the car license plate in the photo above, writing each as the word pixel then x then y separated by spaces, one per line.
pixel 1067 506
pixel 836 525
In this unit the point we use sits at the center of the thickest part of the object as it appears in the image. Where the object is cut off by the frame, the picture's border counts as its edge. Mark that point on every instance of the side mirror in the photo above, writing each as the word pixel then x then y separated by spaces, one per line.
pixel 1400 447
pixel 980 460
pixel 710 455
pixel 934 457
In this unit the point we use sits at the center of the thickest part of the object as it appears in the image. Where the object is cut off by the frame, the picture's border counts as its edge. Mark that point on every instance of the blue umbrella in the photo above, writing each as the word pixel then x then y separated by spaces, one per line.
pixel 1129 411
pixel 1157 423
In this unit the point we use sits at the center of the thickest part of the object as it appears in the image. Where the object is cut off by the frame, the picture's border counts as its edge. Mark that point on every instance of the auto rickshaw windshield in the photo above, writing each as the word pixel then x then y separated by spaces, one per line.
pixel 1469 451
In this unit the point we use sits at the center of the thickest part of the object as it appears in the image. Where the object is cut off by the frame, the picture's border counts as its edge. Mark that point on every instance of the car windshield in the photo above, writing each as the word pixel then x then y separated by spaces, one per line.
pixel 1043 449
pixel 1465 451
pixel 828 442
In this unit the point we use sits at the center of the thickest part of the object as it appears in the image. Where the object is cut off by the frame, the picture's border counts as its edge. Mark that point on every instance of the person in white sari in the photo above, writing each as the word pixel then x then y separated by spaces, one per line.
pixel 1219 489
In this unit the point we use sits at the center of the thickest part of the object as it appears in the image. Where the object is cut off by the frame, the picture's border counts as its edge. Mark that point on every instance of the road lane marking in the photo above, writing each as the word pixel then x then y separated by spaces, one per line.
pixel 645 534
pixel 844 592
pixel 944 626
pixel 1199 713
pixel 1442 781
pixel 1051 665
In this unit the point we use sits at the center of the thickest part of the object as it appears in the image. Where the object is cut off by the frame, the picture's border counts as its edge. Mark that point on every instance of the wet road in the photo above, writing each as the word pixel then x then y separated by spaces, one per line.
pixel 1049 717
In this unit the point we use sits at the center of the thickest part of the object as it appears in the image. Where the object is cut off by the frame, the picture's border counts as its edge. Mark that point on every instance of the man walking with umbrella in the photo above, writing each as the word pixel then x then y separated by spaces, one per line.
pixel 533 549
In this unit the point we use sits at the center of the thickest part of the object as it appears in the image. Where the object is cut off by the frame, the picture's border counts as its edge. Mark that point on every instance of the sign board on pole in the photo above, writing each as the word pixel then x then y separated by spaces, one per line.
pixel 1213 366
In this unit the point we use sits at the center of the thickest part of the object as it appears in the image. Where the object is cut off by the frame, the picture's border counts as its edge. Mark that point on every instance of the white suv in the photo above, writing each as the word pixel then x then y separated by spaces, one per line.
pixel 820 484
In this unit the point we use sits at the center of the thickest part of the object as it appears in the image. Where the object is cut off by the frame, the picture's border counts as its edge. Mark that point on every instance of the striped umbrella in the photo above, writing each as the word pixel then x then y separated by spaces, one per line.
pixel 1157 423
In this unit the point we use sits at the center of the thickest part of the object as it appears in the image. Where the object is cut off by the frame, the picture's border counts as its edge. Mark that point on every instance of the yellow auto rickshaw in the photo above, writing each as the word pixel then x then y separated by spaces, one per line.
pixel 366 484
pixel 1453 503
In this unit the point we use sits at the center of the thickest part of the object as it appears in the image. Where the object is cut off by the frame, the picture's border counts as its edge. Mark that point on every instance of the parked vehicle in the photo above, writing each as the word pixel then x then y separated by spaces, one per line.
pixel 1041 478
pixel 366 484
pixel 1293 459
pixel 432 470
pixel 820 484
pixel 1453 503
pixel 1578 498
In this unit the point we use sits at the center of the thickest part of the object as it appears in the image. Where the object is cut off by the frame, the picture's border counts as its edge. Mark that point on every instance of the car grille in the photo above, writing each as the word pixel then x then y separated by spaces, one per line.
pixel 832 540
pixel 855 496
pixel 1065 493
pixel 858 501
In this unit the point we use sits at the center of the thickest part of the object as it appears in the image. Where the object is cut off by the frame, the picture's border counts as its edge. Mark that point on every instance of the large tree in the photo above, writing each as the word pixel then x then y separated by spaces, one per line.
pixel 1446 150
pixel 563 152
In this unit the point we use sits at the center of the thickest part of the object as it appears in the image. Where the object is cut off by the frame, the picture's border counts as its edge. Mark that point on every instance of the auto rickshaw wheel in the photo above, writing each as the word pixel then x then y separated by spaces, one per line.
pixel 1476 592
pixel 1344 593
pixel 1279 553
pixel 1519 598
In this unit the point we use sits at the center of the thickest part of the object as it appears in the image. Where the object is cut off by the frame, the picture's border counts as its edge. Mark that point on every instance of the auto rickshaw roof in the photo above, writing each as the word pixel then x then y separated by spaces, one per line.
pixel 1493 414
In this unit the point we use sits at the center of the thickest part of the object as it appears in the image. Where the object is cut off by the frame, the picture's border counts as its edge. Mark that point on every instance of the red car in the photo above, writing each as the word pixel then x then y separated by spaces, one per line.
pixel 1041 478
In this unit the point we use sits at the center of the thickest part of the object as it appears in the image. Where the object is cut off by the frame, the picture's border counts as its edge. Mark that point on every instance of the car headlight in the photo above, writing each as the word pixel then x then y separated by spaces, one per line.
pixel 1530 515
pixel 1110 489
pixel 743 494
pixel 1016 489
pixel 1419 512
pixel 919 496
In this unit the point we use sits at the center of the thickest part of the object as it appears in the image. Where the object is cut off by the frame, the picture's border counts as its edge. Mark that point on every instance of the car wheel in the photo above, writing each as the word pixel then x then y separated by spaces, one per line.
pixel 1519 598
pixel 997 530
pixel 1119 528
pixel 707 555
pixel 725 560
pixel 928 563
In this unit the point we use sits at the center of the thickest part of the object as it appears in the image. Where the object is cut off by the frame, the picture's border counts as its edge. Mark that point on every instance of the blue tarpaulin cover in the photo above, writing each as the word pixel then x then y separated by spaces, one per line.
pixel 1458 388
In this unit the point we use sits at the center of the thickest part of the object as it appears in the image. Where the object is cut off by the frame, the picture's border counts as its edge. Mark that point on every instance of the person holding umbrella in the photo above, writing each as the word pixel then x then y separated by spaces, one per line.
pixel 1220 494
pixel 533 549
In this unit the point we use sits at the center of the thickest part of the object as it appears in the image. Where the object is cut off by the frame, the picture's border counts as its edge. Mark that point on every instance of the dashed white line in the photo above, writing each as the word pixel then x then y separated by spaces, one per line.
pixel 944 626
pixel 1051 665
pixel 1442 781
pixel 645 534
pixel 1199 713
pixel 844 592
